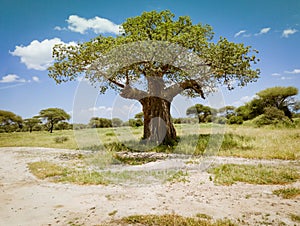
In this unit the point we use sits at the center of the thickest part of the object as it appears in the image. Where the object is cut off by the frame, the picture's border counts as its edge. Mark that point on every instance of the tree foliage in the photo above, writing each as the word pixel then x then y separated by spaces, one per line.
pixel 280 98
pixel 30 123
pixel 53 116
pixel 9 121
pixel 97 122
pixel 166 56
pixel 203 113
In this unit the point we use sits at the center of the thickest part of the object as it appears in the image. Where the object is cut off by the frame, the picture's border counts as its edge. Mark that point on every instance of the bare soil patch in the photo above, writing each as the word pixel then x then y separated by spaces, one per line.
pixel 26 200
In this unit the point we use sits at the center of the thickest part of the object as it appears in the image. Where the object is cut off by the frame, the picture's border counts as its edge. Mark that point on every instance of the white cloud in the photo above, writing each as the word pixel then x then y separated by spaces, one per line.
pixel 264 31
pixel 97 24
pixel 10 78
pixel 239 33
pixel 286 33
pixel 285 78
pixel 275 74
pixel 35 79
pixel 58 28
pixel 101 111
pixel 243 100
pixel 38 55
pixel 295 71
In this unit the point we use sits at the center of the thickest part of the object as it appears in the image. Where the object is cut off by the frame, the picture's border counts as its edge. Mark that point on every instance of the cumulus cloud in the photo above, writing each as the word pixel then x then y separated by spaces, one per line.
pixel 286 33
pixel 243 100
pixel 264 31
pixel 97 24
pixel 58 28
pixel 239 33
pixel 35 79
pixel 295 71
pixel 10 78
pixel 38 55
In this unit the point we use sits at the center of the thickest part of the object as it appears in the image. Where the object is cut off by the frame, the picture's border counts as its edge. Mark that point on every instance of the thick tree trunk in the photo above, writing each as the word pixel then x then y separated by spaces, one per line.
pixel 158 127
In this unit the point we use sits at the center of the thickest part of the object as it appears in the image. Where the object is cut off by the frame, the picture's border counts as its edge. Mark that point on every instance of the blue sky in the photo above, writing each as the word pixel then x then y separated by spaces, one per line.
pixel 28 30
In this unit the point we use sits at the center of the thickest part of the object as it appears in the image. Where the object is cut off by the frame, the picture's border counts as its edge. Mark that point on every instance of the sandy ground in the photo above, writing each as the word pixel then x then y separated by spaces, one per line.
pixel 25 200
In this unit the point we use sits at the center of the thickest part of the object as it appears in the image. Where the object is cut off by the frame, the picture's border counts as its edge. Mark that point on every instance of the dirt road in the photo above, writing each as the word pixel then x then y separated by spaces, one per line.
pixel 25 200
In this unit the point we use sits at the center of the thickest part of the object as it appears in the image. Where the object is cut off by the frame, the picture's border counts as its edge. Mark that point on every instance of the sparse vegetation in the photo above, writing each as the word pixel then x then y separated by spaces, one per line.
pixel 238 141
pixel 169 220
pixel 56 173
pixel 228 174
pixel 295 217
pixel 61 139
pixel 287 193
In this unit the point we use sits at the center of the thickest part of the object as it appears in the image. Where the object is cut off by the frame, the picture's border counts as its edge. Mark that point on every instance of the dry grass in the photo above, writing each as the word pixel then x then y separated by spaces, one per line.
pixel 169 220
pixel 229 174
pixel 287 193
pixel 248 142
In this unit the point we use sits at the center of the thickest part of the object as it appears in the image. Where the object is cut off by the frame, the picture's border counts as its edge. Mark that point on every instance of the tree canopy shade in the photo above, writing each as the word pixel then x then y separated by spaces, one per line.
pixel 155 58
pixel 53 116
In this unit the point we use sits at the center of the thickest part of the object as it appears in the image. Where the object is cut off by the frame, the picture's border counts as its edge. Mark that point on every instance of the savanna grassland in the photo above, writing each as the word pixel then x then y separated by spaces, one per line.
pixel 254 180
pixel 237 141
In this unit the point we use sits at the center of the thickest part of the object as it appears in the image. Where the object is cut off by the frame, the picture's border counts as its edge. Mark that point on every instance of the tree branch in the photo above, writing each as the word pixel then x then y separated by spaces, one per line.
pixel 116 83
pixel 177 88
pixel 132 93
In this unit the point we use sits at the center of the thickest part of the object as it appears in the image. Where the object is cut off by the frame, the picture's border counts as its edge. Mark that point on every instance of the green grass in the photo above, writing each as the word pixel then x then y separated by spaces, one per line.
pixel 229 174
pixel 44 169
pixel 287 193
pixel 238 141
pixel 56 173
pixel 169 220
pixel 295 217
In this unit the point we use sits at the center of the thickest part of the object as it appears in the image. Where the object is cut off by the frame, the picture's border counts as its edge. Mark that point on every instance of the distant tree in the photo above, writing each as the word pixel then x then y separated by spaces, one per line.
pixel 281 98
pixel 97 122
pixel 234 119
pixel 272 116
pixel 227 111
pixel 116 122
pixel 63 126
pixel 135 122
pixel 169 55
pixel 251 109
pixel 296 108
pixel 9 121
pixel 30 123
pixel 53 116
pixel 203 113
pixel 139 117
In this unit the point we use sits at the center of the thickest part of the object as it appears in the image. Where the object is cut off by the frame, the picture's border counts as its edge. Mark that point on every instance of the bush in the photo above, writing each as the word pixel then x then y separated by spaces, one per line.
pixel 221 120
pixel 61 139
pixel 235 120
pixel 272 116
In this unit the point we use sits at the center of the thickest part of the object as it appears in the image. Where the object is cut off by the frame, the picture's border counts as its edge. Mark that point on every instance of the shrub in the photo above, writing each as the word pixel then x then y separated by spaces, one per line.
pixel 235 120
pixel 61 139
pixel 272 116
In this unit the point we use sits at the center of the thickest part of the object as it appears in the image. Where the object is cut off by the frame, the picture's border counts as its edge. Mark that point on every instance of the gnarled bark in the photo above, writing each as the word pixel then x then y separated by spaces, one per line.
pixel 158 128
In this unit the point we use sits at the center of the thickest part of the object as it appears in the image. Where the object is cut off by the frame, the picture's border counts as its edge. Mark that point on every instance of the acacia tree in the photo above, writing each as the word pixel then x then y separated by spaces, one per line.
pixel 203 113
pixel 169 56
pixel 9 121
pixel 278 97
pixel 53 116
pixel 31 123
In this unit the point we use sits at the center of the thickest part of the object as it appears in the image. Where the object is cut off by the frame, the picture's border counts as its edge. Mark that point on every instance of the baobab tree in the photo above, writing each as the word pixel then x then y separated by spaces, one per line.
pixel 155 58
